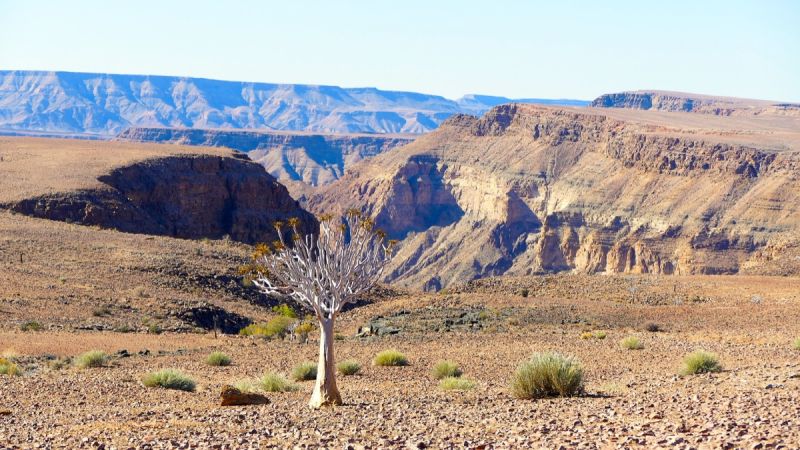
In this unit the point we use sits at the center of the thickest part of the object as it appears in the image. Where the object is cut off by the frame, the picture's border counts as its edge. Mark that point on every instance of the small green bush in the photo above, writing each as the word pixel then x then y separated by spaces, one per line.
pixel 631 343
pixel 218 359
pixel 9 368
pixel 547 375
pixel 90 359
pixel 305 371
pixel 169 379
pixel 102 312
pixel 348 367
pixel 700 361
pixel 390 358
pixel 796 344
pixel 456 384
pixel 600 334
pixel 275 327
pixel 246 386
pixel 446 369
pixel 275 382
pixel 285 311
pixel 31 326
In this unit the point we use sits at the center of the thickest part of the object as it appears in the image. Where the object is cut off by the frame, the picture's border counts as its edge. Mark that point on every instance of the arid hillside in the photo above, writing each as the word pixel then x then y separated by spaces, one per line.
pixel 187 192
pixel 527 188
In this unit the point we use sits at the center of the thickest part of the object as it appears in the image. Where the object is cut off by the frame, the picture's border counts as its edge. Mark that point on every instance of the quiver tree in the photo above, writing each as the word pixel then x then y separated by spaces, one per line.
pixel 323 272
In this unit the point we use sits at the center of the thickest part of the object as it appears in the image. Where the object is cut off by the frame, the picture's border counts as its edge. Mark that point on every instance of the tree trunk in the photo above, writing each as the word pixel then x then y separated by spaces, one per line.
pixel 325 391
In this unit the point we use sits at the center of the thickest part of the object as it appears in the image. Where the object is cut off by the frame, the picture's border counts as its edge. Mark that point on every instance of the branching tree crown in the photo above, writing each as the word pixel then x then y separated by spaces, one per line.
pixel 326 271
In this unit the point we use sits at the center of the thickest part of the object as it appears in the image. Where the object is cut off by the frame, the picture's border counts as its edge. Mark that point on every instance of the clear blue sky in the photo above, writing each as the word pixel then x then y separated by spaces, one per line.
pixel 576 49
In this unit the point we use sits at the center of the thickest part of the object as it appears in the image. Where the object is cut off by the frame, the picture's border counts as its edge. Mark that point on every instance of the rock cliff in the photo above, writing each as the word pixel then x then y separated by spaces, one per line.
pixel 530 189
pixel 313 159
pixel 188 195
pixel 704 104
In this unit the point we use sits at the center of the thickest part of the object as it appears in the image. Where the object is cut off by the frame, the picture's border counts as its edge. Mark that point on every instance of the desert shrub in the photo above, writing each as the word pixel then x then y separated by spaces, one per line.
pixel 169 379
pixel 140 292
pixel 275 382
pixel 9 368
pixel 339 337
pixel 31 326
pixel 275 327
pixel 796 344
pixel 92 358
pixel 154 328
pixel 246 386
pixel 285 311
pixel 304 371
pixel 547 375
pixel 700 361
pixel 456 384
pixel 652 327
pixel 102 312
pixel 302 330
pixel 446 369
pixel 600 334
pixel 631 343
pixel 587 335
pixel 218 359
pixel 124 329
pixel 524 292
pixel 348 367
pixel 390 358
pixel 58 363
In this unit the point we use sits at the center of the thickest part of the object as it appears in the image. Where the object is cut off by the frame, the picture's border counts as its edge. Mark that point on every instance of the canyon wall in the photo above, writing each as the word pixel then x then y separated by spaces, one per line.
pixel 530 189
pixel 312 159
pixel 695 103
pixel 184 196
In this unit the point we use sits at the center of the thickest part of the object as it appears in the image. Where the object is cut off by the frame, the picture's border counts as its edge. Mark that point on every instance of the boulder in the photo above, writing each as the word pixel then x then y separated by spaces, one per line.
pixel 230 396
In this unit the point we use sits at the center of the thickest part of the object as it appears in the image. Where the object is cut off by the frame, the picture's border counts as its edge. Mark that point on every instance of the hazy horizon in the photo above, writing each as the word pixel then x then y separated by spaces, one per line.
pixel 451 49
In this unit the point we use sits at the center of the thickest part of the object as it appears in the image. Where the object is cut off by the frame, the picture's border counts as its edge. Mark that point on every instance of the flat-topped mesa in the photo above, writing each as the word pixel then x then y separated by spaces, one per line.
pixel 151 189
pixel 310 158
pixel 704 104
pixel 528 188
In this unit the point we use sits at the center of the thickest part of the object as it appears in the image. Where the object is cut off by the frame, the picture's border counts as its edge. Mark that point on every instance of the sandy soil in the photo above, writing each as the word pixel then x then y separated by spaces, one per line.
pixel 633 399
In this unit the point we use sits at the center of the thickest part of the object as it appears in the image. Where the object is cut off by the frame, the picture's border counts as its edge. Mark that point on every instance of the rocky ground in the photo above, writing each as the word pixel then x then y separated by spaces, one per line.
pixel 633 398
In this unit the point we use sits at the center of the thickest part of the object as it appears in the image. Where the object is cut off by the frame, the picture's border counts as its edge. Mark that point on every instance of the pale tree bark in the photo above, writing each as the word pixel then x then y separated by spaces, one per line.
pixel 323 273
pixel 325 391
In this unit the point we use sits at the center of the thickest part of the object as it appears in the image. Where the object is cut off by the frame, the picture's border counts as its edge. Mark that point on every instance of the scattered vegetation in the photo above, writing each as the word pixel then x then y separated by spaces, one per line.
pixel 796 344
pixel 169 379
pixel 390 358
pixel 547 375
pixel 446 369
pixel 9 368
pixel 285 311
pixel 700 361
pixel 305 371
pixel 275 382
pixel 275 327
pixel 348 367
pixel 524 292
pixel 91 359
pixel 302 330
pixel 140 292
pixel 597 334
pixel 247 386
pixel 218 359
pixel 31 326
pixel 456 384
pixel 154 328
pixel 652 327
pixel 631 343
pixel 59 363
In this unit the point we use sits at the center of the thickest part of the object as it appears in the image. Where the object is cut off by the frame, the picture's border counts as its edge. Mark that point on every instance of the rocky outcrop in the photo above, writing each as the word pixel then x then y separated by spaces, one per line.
pixel 704 104
pixel 231 396
pixel 313 159
pixel 532 189
pixel 185 196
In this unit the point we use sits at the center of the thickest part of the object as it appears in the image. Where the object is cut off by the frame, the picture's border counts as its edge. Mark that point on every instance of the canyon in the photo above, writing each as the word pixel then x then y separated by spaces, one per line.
pixel 296 159
pixel 529 189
